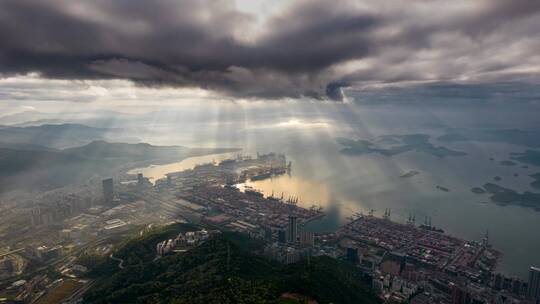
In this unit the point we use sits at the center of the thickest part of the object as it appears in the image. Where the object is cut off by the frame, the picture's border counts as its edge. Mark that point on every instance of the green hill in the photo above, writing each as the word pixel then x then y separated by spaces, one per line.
pixel 132 152
pixel 44 170
pixel 40 168
pixel 223 270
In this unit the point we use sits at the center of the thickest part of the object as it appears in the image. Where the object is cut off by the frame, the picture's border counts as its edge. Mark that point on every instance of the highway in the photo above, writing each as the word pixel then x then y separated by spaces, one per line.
pixel 11 252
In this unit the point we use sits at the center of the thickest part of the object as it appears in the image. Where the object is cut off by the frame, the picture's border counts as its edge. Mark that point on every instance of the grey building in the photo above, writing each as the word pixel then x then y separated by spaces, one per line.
pixel 533 292
pixel 292 229
pixel 108 191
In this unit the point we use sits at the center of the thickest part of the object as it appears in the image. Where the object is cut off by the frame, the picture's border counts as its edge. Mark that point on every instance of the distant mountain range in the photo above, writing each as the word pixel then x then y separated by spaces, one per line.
pixel 25 165
pixel 34 118
pixel 52 136
pixel 132 152
pixel 21 117
pixel 42 170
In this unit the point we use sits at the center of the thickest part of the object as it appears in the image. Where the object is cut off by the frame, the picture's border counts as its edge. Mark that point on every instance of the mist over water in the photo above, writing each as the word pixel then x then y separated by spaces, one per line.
pixel 425 114
pixel 346 184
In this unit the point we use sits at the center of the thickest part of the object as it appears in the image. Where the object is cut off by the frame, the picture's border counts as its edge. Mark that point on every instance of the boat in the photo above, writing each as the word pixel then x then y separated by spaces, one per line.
pixel 261 176
pixel 443 188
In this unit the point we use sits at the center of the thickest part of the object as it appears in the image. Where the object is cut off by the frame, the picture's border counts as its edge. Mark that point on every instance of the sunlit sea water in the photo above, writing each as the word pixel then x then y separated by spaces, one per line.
pixel 344 185
pixel 155 172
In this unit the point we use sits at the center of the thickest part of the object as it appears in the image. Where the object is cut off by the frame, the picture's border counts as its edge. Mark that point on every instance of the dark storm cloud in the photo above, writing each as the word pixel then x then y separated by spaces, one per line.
pixel 452 93
pixel 309 48
pixel 178 43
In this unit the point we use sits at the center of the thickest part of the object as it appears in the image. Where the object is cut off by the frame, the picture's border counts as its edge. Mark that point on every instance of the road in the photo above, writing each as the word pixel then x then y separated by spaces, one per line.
pixel 120 261
pixel 11 252
pixel 77 296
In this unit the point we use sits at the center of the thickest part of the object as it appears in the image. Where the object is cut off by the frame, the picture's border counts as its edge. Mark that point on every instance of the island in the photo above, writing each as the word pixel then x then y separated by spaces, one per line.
pixel 400 144
pixel 409 174
pixel 507 163
pixel 536 182
pixel 505 196
pixel 529 157
pixel 442 188
pixel 478 190
pixel 528 138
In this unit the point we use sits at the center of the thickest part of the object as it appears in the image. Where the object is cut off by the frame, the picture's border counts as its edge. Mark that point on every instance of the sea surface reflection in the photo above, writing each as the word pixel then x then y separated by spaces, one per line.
pixel 346 184
pixel 155 172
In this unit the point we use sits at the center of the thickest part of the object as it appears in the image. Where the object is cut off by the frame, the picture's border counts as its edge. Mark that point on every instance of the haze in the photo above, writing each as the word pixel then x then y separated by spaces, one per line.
pixel 400 140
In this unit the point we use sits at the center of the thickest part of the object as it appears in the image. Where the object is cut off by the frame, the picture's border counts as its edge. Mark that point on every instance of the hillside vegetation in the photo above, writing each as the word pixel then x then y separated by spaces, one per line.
pixel 223 270
pixel 42 168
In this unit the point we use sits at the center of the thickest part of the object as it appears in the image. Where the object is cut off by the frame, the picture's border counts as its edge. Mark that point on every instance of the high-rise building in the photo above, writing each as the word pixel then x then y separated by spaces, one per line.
pixel 377 284
pixel 108 191
pixel 282 236
pixel 533 291
pixel 48 214
pixel 292 229
pixel 352 255
pixel 307 238
pixel 35 216
pixel 393 263
pixel 498 281
pixel 140 179
pixel 140 182
pixel 516 286
pixel 460 295
pixel 267 233
pixel 47 253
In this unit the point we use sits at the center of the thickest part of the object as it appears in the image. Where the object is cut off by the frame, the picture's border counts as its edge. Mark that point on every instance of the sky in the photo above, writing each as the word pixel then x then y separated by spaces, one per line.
pixel 114 53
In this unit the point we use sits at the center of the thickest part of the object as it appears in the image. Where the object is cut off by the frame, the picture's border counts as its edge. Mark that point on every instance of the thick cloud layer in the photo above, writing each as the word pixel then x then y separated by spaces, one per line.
pixel 308 48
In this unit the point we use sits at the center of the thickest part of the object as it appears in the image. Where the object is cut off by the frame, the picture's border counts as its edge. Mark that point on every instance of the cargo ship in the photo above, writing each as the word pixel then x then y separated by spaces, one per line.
pixel 261 176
